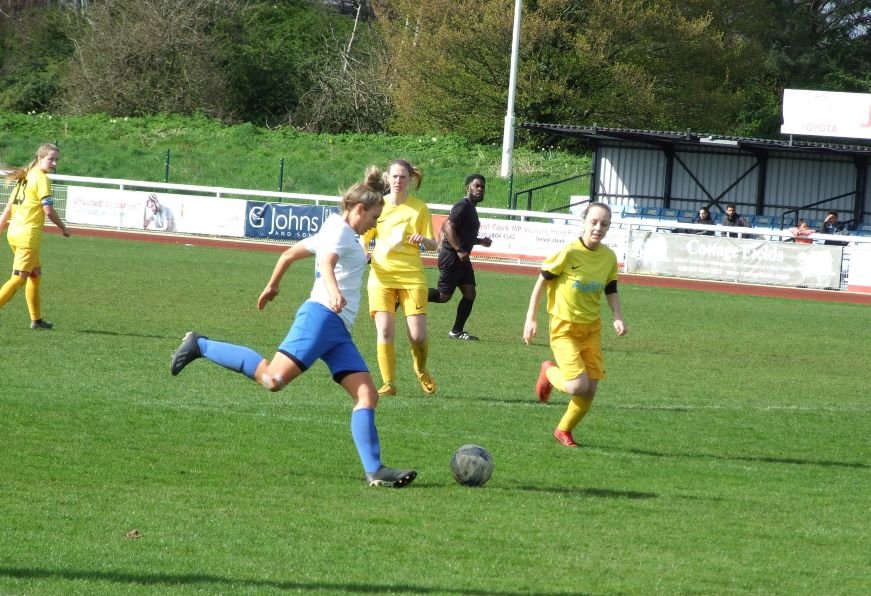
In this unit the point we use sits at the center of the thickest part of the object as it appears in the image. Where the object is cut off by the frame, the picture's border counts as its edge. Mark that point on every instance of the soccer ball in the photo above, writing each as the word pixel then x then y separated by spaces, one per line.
pixel 472 465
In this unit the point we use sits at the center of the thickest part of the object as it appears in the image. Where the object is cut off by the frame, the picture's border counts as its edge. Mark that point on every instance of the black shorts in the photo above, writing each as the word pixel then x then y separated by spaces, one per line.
pixel 454 272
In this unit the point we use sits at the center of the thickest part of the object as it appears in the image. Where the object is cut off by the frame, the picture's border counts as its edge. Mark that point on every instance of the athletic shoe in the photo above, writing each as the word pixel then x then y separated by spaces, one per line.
pixel 186 353
pixel 40 324
pixel 391 477
pixel 387 389
pixel 463 335
pixel 427 382
pixel 564 438
pixel 542 385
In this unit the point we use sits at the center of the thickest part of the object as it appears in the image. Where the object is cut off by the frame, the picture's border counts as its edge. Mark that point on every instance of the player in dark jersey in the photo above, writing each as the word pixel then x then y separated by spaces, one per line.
pixel 459 235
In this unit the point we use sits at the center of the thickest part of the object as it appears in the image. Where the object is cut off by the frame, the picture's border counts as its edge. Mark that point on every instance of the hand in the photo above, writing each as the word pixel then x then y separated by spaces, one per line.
pixel 463 256
pixel 266 296
pixel 529 329
pixel 620 327
pixel 66 232
pixel 337 303
pixel 486 242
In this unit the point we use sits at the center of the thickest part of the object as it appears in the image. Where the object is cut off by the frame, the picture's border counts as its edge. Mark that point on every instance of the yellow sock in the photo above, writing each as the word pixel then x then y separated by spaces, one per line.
pixel 555 376
pixel 31 293
pixel 578 408
pixel 419 356
pixel 10 287
pixel 387 362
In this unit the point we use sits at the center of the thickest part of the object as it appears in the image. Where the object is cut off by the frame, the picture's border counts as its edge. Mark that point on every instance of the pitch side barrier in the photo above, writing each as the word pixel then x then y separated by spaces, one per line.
pixel 643 246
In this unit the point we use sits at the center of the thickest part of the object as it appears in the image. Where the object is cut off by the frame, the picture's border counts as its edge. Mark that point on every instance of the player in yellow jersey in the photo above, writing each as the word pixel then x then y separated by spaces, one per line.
pixel 575 278
pixel 396 277
pixel 29 204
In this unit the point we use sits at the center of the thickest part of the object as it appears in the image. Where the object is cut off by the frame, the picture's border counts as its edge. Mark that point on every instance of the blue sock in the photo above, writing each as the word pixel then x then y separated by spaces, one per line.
pixel 366 438
pixel 238 358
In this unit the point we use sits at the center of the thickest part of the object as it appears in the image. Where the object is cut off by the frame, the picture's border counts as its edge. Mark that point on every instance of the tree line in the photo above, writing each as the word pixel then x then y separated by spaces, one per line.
pixel 439 66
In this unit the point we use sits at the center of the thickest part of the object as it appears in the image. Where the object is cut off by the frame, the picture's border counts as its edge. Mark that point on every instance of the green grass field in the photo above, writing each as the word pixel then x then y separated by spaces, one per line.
pixel 727 452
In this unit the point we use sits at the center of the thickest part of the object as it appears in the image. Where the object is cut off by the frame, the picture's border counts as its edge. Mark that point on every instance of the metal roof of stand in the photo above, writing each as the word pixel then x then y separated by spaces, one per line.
pixel 689 138
pixel 765 176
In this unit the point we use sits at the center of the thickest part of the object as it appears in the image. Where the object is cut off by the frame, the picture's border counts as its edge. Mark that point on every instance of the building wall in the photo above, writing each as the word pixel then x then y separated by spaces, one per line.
pixel 634 176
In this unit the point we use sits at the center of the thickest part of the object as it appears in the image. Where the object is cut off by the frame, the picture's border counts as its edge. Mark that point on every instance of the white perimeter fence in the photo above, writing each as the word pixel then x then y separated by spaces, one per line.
pixel 764 256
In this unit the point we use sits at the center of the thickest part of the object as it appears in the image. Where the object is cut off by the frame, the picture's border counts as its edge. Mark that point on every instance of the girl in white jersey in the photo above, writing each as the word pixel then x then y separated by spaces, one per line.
pixel 322 327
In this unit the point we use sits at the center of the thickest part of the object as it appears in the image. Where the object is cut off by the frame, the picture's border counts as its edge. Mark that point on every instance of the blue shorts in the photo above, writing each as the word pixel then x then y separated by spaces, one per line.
pixel 318 332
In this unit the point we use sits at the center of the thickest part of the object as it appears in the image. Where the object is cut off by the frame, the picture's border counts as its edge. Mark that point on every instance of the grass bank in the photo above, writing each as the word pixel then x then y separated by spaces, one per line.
pixel 202 151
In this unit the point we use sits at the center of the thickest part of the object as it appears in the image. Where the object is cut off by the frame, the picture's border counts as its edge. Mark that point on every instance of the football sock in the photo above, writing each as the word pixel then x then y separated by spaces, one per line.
pixel 464 309
pixel 238 358
pixel 366 438
pixel 31 293
pixel 419 354
pixel 387 362
pixel 578 408
pixel 10 287
pixel 555 376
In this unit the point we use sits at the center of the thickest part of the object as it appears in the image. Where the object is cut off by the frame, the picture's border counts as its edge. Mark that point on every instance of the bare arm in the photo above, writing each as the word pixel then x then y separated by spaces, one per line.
pixel 327 264
pixel 428 243
pixel 531 325
pixel 614 303
pixel 4 218
pixel 291 255
pixel 55 219
pixel 453 239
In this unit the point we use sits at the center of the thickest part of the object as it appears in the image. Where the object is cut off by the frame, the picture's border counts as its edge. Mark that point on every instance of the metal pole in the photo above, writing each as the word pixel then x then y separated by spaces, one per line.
pixel 166 167
pixel 508 133
pixel 280 174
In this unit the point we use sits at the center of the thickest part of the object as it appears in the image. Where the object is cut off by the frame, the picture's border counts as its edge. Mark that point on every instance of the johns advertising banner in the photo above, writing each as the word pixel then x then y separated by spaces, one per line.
pixel 279 221
pixel 732 259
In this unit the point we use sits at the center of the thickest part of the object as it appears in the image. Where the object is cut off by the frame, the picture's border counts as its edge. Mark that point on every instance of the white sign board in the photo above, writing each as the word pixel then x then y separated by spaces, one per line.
pixel 826 114
pixel 732 259
pixel 159 212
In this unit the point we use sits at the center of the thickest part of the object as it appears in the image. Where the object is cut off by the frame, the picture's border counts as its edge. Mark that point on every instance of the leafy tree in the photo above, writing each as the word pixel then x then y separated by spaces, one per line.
pixel 448 64
pixel 271 52
pixel 34 49
pixel 822 44
pixel 632 63
pixel 141 57
pixel 349 93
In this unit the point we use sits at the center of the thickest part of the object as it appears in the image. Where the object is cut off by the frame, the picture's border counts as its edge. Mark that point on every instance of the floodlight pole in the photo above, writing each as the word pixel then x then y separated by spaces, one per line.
pixel 508 134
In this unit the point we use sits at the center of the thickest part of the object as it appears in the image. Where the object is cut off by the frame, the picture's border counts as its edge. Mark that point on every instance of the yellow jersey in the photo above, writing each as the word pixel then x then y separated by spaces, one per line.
pixel 396 262
pixel 27 219
pixel 581 276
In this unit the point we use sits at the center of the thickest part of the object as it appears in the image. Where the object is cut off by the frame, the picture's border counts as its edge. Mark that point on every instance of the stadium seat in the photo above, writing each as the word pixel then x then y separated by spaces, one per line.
pixel 669 214
pixel 691 213
pixel 863 229
pixel 649 212
pixel 764 221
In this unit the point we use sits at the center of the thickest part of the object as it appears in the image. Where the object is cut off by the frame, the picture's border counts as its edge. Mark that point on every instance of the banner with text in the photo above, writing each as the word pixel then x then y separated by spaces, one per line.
pixel 733 259
pixel 535 241
pixel 157 212
pixel 279 221
pixel 826 113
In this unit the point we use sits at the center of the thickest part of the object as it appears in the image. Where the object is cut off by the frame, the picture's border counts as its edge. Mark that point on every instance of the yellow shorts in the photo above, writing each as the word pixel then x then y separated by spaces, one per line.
pixel 577 348
pixel 412 300
pixel 26 259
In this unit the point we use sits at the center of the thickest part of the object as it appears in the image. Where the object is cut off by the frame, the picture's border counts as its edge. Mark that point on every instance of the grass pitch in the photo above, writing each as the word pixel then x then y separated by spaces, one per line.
pixel 726 452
